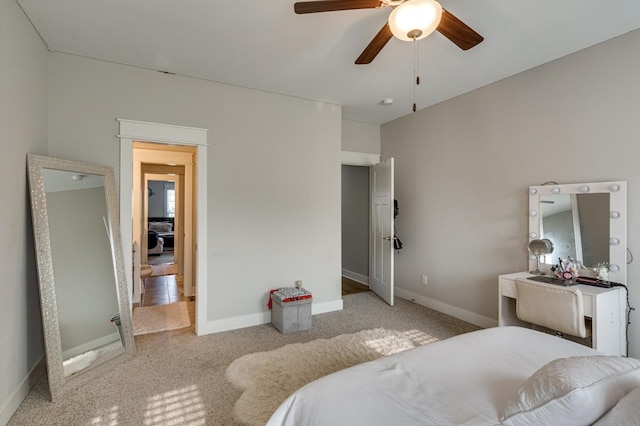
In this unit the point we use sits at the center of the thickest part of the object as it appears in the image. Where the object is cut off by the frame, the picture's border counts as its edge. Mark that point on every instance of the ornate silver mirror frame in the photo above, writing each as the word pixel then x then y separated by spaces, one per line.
pixel 106 289
pixel 617 220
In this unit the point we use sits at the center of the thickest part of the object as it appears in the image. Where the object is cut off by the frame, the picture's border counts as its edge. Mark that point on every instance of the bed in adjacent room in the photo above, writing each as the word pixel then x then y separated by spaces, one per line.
pixel 512 375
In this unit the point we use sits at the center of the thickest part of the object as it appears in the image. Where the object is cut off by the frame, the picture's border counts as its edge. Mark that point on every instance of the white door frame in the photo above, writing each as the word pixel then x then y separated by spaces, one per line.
pixel 131 131
pixel 351 158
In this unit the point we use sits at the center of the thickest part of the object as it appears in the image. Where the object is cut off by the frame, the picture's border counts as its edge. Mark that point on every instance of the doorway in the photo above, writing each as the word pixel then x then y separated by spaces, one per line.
pixel 163 218
pixel 164 246
pixel 380 216
pixel 355 229
pixel 179 136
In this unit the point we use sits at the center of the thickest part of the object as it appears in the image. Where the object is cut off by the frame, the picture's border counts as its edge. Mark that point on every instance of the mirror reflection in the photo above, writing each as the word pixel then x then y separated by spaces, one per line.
pixel 84 299
pixel 578 226
pixel 82 266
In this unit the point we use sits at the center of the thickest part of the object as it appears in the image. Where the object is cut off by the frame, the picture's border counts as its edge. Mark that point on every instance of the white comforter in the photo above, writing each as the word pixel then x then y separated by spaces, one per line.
pixel 464 380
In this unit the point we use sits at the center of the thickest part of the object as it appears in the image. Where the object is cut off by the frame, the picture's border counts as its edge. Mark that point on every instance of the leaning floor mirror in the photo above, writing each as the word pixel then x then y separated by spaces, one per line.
pixel 83 291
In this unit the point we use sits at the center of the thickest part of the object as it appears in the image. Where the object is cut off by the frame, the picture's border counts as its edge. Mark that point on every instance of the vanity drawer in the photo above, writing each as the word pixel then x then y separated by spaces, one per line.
pixel 508 288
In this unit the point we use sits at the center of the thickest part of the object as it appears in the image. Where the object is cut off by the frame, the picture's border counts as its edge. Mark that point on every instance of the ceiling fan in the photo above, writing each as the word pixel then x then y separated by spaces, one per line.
pixel 410 20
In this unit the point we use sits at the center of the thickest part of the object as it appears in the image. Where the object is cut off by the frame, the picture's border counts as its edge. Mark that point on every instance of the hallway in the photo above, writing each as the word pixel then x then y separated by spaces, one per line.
pixel 162 290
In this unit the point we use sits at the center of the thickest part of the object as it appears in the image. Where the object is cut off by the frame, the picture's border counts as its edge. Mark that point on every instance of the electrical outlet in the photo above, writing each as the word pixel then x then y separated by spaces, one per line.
pixel 424 280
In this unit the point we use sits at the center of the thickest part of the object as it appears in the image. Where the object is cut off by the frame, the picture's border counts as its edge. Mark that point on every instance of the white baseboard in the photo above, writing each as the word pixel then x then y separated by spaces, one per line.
pixel 234 323
pixel 260 318
pixel 354 276
pixel 323 308
pixel 8 407
pixel 464 315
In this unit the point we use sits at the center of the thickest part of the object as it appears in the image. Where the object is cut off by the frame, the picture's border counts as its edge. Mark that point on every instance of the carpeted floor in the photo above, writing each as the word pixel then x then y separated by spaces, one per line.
pixel 177 378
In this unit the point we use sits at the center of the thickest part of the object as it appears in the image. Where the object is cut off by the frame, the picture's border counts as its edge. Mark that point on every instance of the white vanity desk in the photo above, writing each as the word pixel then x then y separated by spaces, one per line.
pixel 605 306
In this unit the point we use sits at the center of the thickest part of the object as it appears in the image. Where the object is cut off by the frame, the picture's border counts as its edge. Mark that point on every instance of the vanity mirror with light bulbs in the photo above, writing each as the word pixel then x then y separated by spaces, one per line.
pixel 83 291
pixel 586 222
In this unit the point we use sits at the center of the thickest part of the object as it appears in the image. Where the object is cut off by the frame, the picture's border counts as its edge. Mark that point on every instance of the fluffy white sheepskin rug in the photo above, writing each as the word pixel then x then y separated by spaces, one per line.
pixel 268 378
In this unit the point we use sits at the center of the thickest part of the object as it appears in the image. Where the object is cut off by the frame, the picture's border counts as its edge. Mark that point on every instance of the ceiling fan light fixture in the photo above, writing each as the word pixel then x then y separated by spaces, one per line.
pixel 415 19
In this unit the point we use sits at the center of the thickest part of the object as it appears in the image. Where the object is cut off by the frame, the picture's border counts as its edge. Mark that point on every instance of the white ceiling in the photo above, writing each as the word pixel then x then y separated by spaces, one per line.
pixel 263 44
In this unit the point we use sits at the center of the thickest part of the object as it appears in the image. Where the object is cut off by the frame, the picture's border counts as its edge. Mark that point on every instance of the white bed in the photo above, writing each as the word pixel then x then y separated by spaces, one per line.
pixel 464 380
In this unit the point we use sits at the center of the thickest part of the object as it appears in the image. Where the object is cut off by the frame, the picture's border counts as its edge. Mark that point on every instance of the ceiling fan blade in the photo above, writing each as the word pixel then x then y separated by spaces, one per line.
pixel 458 32
pixel 375 46
pixel 333 5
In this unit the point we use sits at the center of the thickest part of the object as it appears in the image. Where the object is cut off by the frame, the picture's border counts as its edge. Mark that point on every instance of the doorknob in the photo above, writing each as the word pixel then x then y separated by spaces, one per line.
pixel 388 238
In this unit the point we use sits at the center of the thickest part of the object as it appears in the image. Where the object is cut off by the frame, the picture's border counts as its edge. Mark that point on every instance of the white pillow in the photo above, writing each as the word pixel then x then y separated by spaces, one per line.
pixel 626 411
pixel 572 391
pixel 160 226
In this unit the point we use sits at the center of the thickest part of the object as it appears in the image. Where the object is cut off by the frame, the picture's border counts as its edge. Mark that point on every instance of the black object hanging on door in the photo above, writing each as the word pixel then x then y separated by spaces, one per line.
pixel 397 244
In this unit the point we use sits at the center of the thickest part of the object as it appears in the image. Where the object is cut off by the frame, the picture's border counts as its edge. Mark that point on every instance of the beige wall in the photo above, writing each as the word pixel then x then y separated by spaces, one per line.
pixel 463 168
pixel 360 137
pixel 23 118
pixel 273 171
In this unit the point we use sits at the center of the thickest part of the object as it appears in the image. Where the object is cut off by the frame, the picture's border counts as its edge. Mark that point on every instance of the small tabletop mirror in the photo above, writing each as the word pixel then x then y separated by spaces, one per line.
pixel 540 248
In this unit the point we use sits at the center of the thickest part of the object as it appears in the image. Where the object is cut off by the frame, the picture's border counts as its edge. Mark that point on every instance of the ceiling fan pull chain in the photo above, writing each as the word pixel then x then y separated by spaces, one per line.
pixel 416 65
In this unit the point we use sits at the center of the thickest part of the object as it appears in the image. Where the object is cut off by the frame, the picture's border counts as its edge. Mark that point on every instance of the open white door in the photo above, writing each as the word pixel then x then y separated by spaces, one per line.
pixel 381 235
